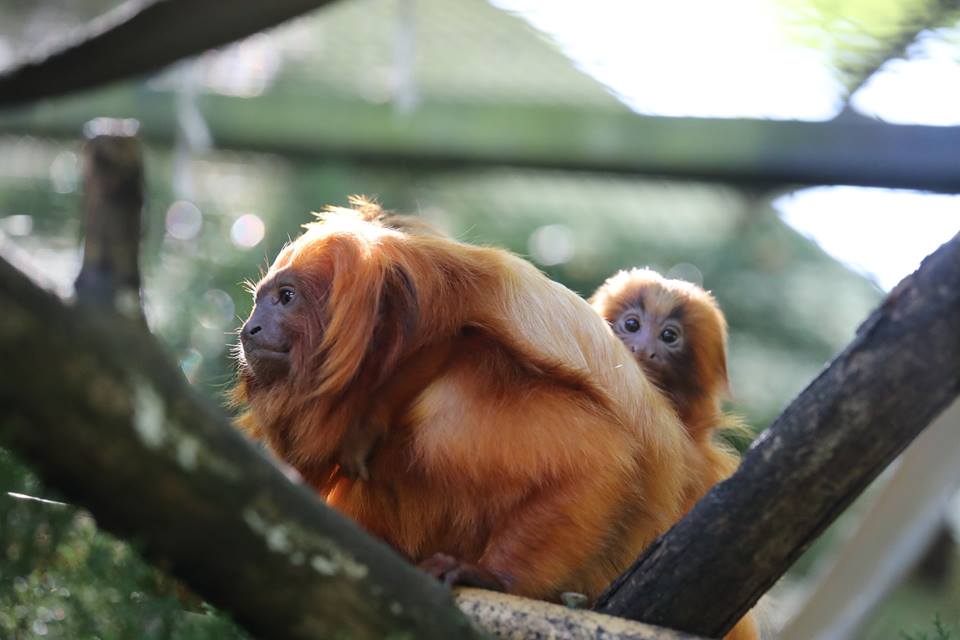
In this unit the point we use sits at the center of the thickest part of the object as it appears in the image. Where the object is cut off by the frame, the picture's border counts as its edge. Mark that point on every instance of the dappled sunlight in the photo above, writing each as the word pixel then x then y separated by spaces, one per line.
pixel 922 89
pixel 245 69
pixel 880 232
pixel 693 58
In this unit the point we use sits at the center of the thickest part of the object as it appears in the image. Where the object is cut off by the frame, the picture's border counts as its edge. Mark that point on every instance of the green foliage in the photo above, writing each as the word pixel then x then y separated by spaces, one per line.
pixel 940 632
pixel 62 578
pixel 911 608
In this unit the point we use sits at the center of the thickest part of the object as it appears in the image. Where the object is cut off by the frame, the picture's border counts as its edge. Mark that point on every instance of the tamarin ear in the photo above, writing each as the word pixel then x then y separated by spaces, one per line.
pixel 352 310
pixel 397 319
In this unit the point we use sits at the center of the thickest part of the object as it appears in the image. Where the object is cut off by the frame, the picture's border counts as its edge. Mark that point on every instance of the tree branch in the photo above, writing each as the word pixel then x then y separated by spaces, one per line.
pixel 755 153
pixel 91 401
pixel 141 36
pixel 901 371
pixel 112 205
pixel 517 618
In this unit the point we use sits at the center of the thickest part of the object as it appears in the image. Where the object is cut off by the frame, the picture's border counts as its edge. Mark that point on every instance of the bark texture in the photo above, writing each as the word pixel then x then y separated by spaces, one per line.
pixel 92 402
pixel 141 36
pixel 112 208
pixel 506 616
pixel 901 370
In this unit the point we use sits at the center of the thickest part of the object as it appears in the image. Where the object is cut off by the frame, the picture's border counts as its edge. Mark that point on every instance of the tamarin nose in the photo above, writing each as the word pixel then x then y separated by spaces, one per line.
pixel 652 355
pixel 250 329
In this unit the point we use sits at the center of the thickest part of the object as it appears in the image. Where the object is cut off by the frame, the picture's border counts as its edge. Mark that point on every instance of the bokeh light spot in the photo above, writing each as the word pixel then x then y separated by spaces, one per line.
pixel 190 364
pixel 687 272
pixel 247 231
pixel 17 225
pixel 217 310
pixel 184 220
pixel 551 244
pixel 65 172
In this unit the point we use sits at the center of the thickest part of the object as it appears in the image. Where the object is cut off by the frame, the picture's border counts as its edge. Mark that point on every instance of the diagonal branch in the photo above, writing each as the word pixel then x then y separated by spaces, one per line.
pixel 91 401
pixel 921 18
pixel 898 374
pixel 141 36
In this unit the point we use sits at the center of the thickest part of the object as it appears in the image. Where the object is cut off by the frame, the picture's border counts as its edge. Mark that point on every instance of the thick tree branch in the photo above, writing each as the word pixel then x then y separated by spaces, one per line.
pixel 762 153
pixel 901 371
pixel 112 205
pixel 516 618
pixel 141 36
pixel 93 404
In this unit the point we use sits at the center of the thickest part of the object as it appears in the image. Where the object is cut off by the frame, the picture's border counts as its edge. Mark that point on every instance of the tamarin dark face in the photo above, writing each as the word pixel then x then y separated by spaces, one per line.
pixel 653 330
pixel 287 310
pixel 265 338
pixel 675 331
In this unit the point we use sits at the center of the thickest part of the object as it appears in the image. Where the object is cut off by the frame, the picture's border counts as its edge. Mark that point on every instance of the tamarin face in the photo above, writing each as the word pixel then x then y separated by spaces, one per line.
pixel 266 337
pixel 652 329
pixel 674 329
pixel 280 337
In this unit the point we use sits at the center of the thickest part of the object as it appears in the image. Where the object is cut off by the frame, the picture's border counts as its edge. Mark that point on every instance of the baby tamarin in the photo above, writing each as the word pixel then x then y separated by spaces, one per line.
pixel 678 336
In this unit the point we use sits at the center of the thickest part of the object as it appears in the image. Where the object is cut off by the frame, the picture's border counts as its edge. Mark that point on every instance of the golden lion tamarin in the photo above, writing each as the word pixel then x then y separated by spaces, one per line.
pixel 678 335
pixel 520 447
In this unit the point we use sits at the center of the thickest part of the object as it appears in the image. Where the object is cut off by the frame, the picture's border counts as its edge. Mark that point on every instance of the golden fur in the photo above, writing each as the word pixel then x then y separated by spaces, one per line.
pixel 699 382
pixel 522 436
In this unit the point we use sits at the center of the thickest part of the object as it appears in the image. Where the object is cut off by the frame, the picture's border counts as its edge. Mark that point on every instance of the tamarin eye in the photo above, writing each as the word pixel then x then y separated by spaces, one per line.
pixel 287 295
pixel 632 325
pixel 669 336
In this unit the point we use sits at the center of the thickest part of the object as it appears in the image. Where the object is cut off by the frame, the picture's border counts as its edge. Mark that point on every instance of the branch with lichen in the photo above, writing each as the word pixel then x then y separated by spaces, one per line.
pixel 128 439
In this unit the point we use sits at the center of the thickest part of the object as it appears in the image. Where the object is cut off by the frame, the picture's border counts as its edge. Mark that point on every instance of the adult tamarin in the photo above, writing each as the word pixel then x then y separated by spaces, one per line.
pixel 520 447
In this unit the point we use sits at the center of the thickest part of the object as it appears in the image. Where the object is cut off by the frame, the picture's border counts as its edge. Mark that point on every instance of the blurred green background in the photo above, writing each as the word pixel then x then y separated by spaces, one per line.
pixel 220 206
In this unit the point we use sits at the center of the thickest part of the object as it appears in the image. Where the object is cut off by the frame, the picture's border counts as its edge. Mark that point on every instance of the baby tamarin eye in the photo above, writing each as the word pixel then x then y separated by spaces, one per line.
pixel 669 335
pixel 632 325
